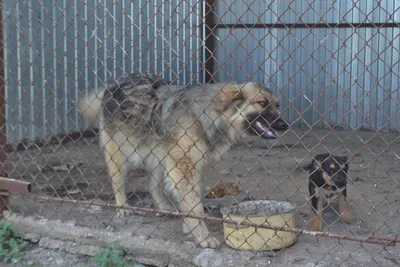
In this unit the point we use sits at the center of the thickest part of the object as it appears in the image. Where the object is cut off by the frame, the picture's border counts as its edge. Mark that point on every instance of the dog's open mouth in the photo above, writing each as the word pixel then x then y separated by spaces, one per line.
pixel 264 131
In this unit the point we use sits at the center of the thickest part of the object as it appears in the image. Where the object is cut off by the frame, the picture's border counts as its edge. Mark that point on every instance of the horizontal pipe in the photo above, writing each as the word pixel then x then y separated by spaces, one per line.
pixel 385 241
pixel 303 25
pixel 13 185
pixel 45 141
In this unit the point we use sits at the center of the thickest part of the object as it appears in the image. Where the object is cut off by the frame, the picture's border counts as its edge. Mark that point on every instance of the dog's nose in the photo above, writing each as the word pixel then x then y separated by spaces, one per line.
pixel 281 124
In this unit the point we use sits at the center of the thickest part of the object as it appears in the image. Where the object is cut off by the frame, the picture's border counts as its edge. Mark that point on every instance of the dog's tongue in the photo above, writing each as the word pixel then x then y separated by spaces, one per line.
pixel 266 131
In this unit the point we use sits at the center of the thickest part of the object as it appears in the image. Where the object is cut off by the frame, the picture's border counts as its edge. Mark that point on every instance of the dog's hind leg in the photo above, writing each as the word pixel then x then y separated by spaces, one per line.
pixel 116 167
pixel 159 198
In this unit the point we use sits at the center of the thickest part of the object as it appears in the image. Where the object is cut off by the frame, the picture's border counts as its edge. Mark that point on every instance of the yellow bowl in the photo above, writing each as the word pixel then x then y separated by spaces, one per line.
pixel 268 212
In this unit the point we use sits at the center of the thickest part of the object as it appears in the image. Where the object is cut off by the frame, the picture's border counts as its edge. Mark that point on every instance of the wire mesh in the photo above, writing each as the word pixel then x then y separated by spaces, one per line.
pixel 332 73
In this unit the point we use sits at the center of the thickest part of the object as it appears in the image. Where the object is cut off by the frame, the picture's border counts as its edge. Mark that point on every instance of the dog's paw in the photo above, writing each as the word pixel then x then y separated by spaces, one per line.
pixel 210 242
pixel 317 225
pixel 164 207
pixel 123 213
pixel 347 217
pixel 140 213
pixel 185 228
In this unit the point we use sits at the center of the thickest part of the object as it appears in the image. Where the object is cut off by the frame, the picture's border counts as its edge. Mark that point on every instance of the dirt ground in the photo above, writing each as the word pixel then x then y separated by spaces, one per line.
pixel 38 257
pixel 262 170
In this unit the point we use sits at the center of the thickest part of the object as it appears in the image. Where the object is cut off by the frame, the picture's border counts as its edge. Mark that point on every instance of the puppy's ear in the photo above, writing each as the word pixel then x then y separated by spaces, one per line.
pixel 227 95
pixel 345 162
pixel 316 164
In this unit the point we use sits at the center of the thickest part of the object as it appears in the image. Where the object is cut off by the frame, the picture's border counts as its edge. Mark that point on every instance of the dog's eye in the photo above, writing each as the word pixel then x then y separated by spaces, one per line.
pixel 263 104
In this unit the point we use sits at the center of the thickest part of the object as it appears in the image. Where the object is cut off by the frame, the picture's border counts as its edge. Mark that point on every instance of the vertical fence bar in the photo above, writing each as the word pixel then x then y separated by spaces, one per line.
pixel 3 135
pixel 114 37
pixel 44 130
pixel 201 72
pixel 87 64
pixel 55 64
pixel 124 33
pixel 209 38
pixel 19 74
pixel 65 14
pixel 31 132
pixel 141 53
pixel 170 45
pixel 76 58
pixel 163 43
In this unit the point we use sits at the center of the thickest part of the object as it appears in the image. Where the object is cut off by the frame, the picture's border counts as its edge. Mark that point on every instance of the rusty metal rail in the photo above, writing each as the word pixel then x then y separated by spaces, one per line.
pixel 378 240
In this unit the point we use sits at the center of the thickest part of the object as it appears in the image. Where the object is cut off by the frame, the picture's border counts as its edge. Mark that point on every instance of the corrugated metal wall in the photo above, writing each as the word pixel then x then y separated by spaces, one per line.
pixel 353 74
pixel 56 49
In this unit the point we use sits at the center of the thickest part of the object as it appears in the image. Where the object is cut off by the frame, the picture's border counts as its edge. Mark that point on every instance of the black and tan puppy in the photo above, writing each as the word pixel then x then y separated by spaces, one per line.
pixel 327 179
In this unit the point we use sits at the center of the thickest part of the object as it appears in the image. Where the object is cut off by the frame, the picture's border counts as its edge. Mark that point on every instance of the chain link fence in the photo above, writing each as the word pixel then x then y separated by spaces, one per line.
pixel 331 69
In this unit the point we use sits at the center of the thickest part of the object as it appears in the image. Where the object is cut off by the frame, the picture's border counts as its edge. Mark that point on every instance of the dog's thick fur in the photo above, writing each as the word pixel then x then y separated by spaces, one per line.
pixel 175 131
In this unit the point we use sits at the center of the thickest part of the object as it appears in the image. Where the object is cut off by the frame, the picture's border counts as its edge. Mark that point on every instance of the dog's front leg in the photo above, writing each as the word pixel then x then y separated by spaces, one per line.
pixel 185 177
pixel 317 206
pixel 344 208
pixel 158 196
pixel 116 167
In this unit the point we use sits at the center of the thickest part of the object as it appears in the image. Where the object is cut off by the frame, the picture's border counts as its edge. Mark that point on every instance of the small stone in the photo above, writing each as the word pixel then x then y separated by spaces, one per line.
pixel 148 260
pixel 94 209
pixel 110 228
pixel 141 237
pixel 224 172
pixel 209 258
pixel 74 191
pixel 34 238
pixel 190 244
pixel 50 243
pixel 246 255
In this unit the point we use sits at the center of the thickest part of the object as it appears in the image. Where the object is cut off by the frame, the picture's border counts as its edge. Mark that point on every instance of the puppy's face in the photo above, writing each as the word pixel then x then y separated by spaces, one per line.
pixel 252 110
pixel 335 169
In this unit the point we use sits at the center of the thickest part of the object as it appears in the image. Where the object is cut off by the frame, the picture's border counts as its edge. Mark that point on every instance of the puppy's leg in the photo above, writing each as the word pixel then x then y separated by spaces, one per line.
pixel 317 204
pixel 116 167
pixel 344 208
pixel 159 199
pixel 184 175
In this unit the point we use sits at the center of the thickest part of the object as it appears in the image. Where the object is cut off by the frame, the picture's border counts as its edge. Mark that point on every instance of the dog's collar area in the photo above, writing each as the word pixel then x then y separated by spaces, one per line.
pixel 331 187
pixel 327 178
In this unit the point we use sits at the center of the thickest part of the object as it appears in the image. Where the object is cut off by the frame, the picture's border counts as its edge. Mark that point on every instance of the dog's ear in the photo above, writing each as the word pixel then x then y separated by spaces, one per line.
pixel 344 158
pixel 345 162
pixel 316 164
pixel 227 95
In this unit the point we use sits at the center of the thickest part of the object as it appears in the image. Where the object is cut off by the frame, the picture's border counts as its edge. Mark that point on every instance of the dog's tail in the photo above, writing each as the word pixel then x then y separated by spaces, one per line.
pixel 90 106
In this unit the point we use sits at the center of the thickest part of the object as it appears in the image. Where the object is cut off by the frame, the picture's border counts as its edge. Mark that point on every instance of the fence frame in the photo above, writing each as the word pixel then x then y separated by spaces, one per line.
pixel 209 65
pixel 211 27
pixel 3 134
